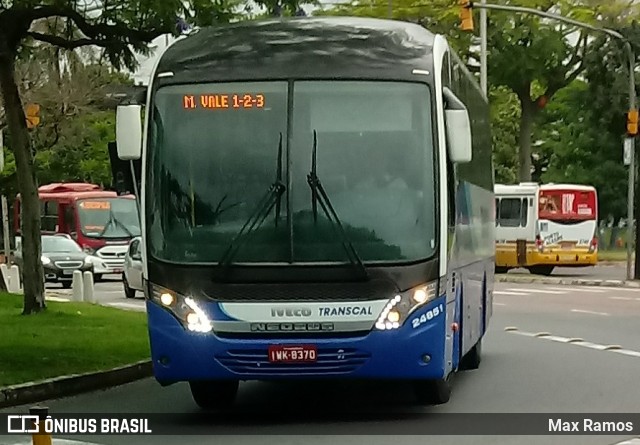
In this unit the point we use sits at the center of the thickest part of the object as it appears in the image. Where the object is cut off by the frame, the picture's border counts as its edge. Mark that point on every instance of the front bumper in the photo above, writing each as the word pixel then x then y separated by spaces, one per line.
pixel 180 355
pixel 53 273
pixel 507 257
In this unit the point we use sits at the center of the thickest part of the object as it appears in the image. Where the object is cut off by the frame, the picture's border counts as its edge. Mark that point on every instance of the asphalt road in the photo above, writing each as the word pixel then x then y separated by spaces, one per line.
pixel 566 371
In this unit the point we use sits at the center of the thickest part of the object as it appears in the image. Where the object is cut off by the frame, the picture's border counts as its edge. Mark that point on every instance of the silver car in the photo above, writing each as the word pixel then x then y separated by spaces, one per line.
pixel 132 275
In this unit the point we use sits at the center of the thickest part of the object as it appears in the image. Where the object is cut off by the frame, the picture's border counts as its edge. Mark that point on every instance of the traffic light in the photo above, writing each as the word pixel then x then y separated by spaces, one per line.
pixel 632 123
pixel 466 15
pixel 32 113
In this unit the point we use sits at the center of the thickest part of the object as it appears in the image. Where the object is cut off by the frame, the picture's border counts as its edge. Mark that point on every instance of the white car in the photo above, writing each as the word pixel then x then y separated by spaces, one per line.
pixel 132 275
pixel 99 268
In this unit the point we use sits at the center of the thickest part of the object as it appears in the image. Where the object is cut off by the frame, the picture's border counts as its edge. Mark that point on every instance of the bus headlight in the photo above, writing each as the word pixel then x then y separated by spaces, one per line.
pixel 398 309
pixel 185 309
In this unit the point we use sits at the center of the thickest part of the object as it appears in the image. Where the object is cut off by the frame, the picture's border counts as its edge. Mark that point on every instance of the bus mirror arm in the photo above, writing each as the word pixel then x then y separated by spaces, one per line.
pixel 458 128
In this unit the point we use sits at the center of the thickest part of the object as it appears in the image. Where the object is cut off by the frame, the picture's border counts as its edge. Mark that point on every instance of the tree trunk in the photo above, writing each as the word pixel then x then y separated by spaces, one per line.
pixel 526 129
pixel 32 271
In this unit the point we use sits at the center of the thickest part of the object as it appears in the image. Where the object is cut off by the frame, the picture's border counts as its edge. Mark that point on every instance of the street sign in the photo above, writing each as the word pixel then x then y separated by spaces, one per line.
pixel 628 150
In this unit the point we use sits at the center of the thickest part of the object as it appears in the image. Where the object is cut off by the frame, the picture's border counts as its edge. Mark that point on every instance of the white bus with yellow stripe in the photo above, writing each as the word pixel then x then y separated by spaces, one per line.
pixel 539 227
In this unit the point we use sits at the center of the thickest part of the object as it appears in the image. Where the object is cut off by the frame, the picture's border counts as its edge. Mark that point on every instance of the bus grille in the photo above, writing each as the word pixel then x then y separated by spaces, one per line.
pixel 330 362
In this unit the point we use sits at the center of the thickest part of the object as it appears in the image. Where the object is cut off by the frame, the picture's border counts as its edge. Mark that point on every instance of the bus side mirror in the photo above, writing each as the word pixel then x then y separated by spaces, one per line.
pixel 458 128
pixel 129 132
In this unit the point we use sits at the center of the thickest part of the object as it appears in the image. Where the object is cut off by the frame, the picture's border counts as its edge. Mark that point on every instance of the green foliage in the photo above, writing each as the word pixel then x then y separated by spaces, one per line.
pixel 437 16
pixel 505 114
pixel 68 338
pixel 583 143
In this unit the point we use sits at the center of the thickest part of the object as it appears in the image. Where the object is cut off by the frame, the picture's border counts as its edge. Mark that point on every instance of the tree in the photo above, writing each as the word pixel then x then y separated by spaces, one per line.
pixel 533 57
pixel 505 115
pixel 578 149
pixel 119 28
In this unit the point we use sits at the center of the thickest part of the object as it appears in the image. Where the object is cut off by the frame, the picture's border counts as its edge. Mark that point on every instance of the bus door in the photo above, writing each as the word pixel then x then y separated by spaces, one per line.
pixel 513 214
pixel 528 228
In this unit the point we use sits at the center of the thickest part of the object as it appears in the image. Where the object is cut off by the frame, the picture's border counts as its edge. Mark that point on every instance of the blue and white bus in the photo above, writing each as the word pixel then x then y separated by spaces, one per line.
pixel 317 201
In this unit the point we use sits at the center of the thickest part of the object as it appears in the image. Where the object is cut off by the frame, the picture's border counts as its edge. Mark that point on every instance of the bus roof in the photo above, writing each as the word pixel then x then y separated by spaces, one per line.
pixel 516 189
pixel 301 48
pixel 71 191
pixel 530 188
pixel 583 188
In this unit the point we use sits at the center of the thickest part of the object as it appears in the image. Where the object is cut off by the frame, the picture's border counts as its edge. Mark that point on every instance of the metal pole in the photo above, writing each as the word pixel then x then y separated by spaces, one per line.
pixel 632 166
pixel 483 50
pixel 5 230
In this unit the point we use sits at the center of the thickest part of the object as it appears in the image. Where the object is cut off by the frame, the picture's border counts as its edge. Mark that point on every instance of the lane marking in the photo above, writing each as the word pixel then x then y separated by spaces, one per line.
pixel 498 304
pixel 580 311
pixel 634 441
pixel 501 292
pixel 538 291
pixel 574 341
pixel 627 352
pixel 623 298
pixel 621 289
pixel 579 289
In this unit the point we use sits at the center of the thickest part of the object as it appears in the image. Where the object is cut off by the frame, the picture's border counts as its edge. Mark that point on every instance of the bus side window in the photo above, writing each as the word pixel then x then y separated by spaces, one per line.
pixel 497 212
pixel 510 213
pixel 49 217
pixel 525 209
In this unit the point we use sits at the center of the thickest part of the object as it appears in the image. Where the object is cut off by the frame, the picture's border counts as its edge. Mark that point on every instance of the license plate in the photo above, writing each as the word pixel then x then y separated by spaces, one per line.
pixel 67 272
pixel 293 354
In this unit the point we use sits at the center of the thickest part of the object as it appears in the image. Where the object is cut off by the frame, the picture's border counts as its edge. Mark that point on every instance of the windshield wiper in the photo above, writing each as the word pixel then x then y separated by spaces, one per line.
pixel 271 198
pixel 116 221
pixel 318 194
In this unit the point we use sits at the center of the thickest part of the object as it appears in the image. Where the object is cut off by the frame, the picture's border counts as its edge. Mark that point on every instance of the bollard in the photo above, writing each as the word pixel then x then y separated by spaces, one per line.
pixel 4 269
pixel 41 437
pixel 14 279
pixel 77 287
pixel 87 287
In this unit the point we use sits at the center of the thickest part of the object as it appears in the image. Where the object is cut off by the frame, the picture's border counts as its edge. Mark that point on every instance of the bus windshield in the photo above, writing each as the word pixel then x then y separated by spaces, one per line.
pixel 567 206
pixel 109 218
pixel 216 149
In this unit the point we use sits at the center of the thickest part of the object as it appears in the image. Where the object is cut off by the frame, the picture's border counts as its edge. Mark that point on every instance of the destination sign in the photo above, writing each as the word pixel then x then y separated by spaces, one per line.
pixel 223 101
pixel 95 205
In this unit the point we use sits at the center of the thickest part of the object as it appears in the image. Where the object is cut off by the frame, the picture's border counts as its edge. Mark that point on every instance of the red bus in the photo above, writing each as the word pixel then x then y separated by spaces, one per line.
pixel 100 221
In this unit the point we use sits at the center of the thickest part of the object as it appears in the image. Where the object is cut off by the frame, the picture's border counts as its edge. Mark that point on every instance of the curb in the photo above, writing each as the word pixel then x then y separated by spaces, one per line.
pixel 73 384
pixel 507 278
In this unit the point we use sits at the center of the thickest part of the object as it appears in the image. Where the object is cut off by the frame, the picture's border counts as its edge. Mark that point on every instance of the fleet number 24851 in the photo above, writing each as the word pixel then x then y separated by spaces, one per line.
pixel 428 316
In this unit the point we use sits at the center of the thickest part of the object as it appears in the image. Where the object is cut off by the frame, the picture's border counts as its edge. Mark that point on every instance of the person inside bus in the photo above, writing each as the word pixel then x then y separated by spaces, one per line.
pixel 384 198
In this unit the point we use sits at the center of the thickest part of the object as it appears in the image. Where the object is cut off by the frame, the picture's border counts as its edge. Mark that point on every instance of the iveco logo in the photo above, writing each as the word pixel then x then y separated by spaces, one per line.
pixel 290 312
pixel 291 327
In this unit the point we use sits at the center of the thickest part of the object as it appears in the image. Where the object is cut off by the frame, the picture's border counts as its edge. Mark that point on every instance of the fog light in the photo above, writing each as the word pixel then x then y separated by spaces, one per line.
pixel 166 299
pixel 426 358
pixel 393 317
pixel 192 318
pixel 164 360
